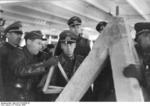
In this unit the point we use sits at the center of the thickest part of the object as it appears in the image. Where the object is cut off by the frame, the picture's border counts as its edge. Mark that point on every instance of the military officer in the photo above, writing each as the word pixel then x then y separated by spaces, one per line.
pixel 69 60
pixel 82 44
pixel 13 34
pixel 142 71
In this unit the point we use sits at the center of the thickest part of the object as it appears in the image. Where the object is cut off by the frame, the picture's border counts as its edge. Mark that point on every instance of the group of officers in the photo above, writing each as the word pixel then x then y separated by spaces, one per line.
pixel 23 69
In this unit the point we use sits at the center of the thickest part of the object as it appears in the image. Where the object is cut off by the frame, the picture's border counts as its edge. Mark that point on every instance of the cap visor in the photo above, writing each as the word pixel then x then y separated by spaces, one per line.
pixel 75 24
pixel 17 31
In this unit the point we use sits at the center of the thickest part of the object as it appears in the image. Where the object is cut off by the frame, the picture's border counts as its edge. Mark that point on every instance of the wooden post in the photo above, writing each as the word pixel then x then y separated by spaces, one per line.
pixel 51 70
pixel 89 69
pixel 123 53
pixel 48 89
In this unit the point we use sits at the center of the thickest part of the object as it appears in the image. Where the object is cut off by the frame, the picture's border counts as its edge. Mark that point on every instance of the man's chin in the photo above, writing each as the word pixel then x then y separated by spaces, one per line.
pixel 35 53
pixel 69 55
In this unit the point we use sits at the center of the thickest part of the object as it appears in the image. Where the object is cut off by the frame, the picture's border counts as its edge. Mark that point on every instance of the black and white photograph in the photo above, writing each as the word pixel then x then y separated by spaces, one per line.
pixel 74 51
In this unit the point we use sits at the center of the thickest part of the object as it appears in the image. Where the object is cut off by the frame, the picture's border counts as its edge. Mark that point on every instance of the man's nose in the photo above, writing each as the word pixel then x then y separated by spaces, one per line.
pixel 68 45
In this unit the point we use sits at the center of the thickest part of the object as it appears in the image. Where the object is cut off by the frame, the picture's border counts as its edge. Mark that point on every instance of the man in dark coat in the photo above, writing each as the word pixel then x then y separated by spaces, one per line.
pixel 28 69
pixel 142 71
pixel 13 34
pixel 69 61
pixel 103 85
pixel 1 81
pixel 82 44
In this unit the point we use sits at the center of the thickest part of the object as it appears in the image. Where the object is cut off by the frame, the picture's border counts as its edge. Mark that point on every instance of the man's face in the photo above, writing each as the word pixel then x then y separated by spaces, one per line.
pixel 14 38
pixel 44 44
pixel 144 41
pixel 34 46
pixel 76 29
pixel 68 48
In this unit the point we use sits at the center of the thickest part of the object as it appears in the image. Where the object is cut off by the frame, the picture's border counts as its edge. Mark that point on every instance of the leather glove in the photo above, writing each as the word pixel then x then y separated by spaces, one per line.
pixel 53 61
pixel 135 71
pixel 132 70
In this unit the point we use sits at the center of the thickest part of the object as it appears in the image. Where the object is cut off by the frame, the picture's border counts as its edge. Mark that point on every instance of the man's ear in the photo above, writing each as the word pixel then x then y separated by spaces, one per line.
pixel 7 35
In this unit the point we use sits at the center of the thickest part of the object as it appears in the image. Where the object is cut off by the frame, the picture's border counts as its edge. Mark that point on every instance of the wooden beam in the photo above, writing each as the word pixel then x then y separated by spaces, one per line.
pixel 46 8
pixel 49 8
pixel 98 5
pixel 54 10
pixel 141 7
pixel 47 12
pixel 33 14
pixel 83 9
pixel 122 53
pixel 12 1
pixel 12 16
pixel 90 68
pixel 50 73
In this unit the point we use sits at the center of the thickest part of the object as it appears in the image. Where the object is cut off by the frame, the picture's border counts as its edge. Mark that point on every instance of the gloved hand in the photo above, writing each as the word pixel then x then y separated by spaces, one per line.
pixel 51 61
pixel 133 71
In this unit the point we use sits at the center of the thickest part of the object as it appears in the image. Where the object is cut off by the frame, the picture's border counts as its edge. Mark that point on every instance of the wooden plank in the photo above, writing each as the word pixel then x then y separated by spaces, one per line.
pixel 51 70
pixel 63 72
pixel 123 53
pixel 89 69
pixel 55 87
pixel 52 89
